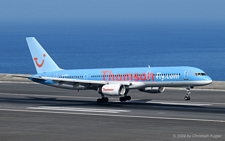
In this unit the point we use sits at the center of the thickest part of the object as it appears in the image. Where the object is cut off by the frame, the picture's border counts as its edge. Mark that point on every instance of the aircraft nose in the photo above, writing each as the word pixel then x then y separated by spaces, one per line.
pixel 208 80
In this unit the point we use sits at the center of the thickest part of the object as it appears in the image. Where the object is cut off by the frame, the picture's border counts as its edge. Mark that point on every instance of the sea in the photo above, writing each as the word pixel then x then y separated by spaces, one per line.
pixel 110 45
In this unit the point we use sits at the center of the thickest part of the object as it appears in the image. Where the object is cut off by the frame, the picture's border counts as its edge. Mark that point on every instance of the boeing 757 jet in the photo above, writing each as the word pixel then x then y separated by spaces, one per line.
pixel 113 81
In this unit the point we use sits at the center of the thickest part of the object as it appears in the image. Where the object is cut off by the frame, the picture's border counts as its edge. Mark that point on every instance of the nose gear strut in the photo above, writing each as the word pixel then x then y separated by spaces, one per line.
pixel 188 97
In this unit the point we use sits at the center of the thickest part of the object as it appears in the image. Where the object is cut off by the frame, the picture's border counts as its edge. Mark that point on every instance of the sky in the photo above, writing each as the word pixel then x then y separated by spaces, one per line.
pixel 63 11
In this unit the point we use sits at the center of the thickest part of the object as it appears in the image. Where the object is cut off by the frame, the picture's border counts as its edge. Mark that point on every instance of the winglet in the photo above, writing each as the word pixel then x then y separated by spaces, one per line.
pixel 42 61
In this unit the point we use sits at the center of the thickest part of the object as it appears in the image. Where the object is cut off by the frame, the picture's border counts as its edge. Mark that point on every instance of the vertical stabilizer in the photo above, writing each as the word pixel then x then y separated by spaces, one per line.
pixel 42 61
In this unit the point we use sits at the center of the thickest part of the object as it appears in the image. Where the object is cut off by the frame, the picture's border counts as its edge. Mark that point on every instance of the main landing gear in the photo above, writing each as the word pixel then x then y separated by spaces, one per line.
pixel 102 100
pixel 188 97
pixel 105 99
pixel 125 98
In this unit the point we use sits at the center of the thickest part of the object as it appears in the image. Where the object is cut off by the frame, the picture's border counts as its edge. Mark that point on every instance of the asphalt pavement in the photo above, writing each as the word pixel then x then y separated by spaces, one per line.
pixel 38 112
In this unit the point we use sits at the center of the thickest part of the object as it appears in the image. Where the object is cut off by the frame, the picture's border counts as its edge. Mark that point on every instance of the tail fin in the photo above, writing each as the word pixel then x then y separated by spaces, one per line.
pixel 42 61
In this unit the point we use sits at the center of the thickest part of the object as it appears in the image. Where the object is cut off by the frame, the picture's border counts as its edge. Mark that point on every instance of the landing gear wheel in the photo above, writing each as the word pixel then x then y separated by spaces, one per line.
pixel 128 97
pixel 122 99
pixel 125 98
pixel 105 99
pixel 187 98
pixel 99 100
pixel 102 100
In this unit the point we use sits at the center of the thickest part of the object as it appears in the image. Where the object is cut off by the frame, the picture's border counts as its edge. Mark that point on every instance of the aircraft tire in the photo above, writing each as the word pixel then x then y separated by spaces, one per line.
pixel 105 99
pixel 187 98
pixel 99 100
pixel 128 97
pixel 122 99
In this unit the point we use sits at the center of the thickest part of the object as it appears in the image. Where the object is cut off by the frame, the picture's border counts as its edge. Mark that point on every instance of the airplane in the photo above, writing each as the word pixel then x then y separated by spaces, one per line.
pixel 113 81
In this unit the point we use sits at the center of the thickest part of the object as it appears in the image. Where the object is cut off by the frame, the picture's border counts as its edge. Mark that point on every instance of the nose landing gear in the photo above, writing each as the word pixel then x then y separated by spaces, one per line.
pixel 188 97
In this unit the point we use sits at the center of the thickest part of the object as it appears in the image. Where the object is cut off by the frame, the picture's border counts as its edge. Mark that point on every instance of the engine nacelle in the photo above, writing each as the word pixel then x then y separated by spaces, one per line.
pixel 153 89
pixel 113 89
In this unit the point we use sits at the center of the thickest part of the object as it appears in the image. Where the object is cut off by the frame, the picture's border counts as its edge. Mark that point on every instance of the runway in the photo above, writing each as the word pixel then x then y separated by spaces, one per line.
pixel 38 112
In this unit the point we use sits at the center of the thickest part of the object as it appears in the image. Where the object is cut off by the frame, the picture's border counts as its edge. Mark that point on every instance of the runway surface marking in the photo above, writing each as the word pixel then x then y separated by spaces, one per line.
pixel 113 115
pixel 32 95
pixel 180 103
pixel 174 103
pixel 78 109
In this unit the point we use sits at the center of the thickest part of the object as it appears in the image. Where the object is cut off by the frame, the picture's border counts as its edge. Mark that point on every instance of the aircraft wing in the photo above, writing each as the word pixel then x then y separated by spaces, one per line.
pixel 22 76
pixel 66 80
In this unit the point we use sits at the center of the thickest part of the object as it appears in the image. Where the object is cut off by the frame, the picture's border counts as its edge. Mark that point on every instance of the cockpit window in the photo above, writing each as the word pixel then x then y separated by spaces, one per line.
pixel 200 74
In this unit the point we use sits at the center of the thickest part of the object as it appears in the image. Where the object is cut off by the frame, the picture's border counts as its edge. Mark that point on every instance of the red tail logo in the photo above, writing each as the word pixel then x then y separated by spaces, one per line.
pixel 42 63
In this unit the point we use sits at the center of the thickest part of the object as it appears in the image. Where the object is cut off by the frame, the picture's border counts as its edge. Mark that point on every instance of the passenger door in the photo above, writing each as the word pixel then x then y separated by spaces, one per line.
pixel 186 75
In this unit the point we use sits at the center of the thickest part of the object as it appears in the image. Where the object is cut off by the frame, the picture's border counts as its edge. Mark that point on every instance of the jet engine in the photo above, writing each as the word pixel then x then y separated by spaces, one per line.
pixel 153 89
pixel 113 89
